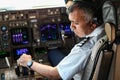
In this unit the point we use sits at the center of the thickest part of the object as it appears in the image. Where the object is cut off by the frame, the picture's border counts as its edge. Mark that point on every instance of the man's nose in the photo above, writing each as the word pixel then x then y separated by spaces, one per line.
pixel 72 26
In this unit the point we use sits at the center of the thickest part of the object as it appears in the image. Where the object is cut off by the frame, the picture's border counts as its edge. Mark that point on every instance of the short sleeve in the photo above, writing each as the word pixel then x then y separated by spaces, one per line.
pixel 74 62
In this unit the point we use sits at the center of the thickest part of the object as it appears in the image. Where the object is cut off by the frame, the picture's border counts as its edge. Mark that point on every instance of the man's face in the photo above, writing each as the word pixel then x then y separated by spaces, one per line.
pixel 78 23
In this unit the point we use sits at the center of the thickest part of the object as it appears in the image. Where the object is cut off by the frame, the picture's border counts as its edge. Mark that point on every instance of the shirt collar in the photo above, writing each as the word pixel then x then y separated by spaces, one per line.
pixel 95 32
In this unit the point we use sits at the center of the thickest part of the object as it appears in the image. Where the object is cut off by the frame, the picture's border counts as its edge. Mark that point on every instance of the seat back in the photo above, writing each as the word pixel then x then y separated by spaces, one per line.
pixel 103 66
pixel 91 65
pixel 102 56
pixel 116 61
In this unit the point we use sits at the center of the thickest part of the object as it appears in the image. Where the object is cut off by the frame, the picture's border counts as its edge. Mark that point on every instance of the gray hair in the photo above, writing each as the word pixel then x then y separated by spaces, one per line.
pixel 89 10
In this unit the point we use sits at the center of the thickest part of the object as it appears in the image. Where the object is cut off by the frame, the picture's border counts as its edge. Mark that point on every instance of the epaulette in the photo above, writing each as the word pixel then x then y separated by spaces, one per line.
pixel 83 41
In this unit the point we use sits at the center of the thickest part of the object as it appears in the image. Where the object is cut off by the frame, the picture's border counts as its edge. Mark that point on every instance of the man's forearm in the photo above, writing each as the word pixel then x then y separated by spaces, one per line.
pixel 45 70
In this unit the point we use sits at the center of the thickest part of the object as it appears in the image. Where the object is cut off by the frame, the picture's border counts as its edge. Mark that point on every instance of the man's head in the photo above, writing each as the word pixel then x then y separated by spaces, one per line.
pixel 82 18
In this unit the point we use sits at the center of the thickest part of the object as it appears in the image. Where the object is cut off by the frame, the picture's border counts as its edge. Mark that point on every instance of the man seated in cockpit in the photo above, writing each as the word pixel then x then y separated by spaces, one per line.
pixel 85 25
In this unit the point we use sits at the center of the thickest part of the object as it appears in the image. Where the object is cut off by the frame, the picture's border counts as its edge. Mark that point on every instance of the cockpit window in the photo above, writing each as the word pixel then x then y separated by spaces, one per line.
pixel 29 4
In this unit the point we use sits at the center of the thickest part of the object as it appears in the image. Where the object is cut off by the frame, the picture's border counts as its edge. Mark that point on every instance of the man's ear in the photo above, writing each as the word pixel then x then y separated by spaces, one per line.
pixel 93 24
pixel 95 21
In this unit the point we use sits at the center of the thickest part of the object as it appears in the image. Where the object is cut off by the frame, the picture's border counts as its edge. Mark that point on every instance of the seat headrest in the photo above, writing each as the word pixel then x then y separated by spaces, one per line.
pixel 110 32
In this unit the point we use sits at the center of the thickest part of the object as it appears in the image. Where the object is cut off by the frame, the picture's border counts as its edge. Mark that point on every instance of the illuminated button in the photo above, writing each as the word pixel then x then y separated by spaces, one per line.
pixel 3 28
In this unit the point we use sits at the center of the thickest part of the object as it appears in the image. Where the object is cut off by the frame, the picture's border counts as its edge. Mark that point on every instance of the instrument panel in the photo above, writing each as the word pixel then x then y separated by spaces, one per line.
pixel 32 32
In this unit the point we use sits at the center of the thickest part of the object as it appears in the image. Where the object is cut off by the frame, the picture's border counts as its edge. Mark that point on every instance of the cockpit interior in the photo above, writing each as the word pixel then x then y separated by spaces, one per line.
pixel 36 28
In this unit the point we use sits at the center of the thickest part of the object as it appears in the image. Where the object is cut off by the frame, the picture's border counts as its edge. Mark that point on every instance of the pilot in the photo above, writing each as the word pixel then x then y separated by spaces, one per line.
pixel 85 25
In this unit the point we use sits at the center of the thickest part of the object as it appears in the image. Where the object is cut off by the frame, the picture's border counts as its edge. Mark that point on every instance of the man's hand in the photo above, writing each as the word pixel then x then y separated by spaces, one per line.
pixel 23 60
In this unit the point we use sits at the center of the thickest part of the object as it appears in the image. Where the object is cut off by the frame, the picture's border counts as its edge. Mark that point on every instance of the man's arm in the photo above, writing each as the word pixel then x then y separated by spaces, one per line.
pixel 45 70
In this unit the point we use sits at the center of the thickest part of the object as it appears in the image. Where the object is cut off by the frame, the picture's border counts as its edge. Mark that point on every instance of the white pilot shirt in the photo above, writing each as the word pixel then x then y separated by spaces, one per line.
pixel 72 66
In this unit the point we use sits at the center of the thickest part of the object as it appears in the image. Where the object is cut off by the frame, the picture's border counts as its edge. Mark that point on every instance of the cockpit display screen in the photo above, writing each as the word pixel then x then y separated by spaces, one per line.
pixel 66 28
pixel 49 32
pixel 19 51
pixel 19 36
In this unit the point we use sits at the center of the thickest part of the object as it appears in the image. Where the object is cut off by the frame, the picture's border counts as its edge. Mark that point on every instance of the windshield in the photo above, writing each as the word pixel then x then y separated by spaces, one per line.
pixel 7 5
